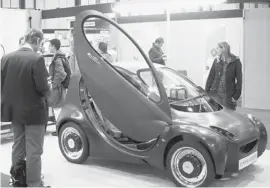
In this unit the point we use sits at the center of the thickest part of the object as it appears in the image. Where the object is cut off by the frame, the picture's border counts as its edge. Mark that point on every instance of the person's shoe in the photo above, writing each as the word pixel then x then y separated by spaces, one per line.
pixel 10 182
pixel 44 185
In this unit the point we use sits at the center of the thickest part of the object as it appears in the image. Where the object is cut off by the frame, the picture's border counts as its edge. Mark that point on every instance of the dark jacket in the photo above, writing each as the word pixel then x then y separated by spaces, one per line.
pixel 155 55
pixel 24 88
pixel 233 79
pixel 57 71
pixel 58 75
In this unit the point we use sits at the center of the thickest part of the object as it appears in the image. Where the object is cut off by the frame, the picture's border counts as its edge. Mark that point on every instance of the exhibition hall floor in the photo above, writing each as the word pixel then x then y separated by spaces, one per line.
pixel 99 172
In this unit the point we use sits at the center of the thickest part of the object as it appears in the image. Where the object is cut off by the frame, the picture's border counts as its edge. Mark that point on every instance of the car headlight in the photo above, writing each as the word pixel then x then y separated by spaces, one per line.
pixel 225 133
pixel 253 119
pixel 257 123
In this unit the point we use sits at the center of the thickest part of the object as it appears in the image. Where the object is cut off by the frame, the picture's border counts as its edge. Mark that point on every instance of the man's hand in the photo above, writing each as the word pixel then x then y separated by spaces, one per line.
pixel 233 100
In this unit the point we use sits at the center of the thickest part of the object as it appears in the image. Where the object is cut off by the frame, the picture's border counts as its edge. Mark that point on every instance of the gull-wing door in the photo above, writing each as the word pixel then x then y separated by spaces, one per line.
pixel 101 47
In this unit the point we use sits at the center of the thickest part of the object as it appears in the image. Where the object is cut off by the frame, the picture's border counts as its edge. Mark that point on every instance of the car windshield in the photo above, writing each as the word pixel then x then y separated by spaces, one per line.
pixel 183 94
pixel 173 82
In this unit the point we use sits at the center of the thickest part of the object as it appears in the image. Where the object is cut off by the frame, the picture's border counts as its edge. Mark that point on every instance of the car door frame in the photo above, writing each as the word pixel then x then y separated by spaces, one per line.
pixel 80 20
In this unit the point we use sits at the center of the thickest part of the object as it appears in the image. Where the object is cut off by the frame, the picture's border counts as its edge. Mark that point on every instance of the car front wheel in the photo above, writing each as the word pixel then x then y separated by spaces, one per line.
pixel 73 143
pixel 190 165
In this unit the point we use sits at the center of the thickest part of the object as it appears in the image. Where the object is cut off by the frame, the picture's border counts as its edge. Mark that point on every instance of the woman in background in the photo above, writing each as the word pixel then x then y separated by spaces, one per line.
pixel 225 77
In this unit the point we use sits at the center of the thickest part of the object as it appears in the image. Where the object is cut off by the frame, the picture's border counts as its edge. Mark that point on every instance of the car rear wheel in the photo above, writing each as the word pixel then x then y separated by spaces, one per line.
pixel 73 143
pixel 190 165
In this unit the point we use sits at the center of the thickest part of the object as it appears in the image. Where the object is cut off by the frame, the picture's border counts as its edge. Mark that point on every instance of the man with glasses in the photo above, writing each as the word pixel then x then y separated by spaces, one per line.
pixel 23 102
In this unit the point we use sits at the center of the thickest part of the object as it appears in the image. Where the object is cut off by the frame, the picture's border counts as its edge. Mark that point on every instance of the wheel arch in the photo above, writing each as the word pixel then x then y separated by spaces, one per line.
pixel 63 122
pixel 182 137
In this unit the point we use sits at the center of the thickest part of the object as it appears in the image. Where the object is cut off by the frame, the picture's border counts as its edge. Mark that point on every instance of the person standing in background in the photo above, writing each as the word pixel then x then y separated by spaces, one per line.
pixel 103 50
pixel 156 54
pixel 58 75
pixel 24 89
pixel 225 77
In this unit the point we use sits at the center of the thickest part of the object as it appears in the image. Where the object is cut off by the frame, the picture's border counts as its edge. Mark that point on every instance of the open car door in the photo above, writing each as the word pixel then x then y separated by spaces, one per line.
pixel 100 44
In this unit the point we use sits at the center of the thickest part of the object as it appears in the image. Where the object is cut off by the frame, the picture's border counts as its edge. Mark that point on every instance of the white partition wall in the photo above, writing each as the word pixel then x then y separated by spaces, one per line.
pixel 257 59
pixel 14 24
pixel 192 41
pixel 145 34
pixel 2 50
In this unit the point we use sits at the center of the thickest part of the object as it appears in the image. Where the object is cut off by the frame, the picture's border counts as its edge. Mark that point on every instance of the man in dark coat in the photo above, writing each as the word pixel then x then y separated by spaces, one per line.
pixel 23 102
pixel 156 54
pixel 225 78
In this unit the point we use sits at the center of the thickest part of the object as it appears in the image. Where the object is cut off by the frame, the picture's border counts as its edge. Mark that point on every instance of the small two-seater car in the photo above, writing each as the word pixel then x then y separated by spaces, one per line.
pixel 134 111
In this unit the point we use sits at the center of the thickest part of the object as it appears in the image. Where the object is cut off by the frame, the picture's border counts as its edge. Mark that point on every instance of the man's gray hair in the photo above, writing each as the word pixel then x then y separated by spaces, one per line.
pixel 32 36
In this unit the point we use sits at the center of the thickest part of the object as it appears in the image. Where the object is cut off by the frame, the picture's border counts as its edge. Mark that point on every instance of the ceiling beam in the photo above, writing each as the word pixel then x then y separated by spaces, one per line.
pixel 73 11
pixel 174 17
pixel 182 16
pixel 107 8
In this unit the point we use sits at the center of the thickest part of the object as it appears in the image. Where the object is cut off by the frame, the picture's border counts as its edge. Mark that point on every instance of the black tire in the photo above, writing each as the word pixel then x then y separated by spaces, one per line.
pixel 81 142
pixel 210 175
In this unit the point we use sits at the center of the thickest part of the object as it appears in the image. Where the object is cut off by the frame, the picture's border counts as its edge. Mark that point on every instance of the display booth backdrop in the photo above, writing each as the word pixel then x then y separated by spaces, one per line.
pixel 190 41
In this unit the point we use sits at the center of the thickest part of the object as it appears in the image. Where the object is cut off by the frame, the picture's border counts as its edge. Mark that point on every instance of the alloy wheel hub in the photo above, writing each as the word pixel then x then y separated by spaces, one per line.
pixel 73 142
pixel 190 166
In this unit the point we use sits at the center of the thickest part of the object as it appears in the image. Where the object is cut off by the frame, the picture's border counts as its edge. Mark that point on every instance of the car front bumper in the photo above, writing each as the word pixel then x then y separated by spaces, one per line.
pixel 245 152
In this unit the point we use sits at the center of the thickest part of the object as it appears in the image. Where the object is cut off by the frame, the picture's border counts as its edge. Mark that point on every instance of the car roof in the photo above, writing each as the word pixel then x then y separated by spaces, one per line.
pixel 134 66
